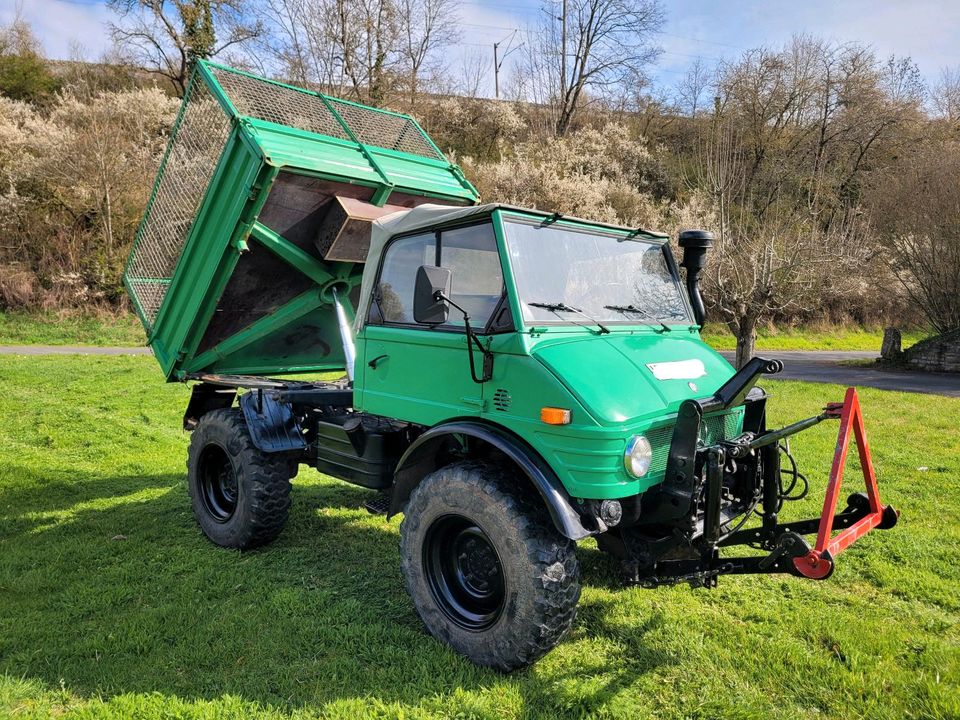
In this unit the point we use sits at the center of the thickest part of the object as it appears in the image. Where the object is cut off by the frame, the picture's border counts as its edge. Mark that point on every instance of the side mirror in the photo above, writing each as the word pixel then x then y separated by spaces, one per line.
pixel 428 308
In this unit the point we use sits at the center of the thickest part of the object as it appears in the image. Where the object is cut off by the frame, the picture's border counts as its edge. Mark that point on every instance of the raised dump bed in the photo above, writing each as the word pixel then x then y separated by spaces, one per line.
pixel 260 213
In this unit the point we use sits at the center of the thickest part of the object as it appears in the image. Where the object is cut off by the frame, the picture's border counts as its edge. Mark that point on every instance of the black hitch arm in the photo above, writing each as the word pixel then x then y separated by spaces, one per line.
pixel 734 391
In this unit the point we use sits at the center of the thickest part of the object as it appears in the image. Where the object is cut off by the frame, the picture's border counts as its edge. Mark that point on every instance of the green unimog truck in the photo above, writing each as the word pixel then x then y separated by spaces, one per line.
pixel 513 380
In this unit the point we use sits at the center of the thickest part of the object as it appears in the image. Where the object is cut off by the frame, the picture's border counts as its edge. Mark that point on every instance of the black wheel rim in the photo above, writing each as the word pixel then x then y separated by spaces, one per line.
pixel 218 483
pixel 464 572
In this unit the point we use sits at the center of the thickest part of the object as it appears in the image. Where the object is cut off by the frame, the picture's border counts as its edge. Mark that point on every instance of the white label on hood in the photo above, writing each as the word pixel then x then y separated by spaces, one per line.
pixel 678 370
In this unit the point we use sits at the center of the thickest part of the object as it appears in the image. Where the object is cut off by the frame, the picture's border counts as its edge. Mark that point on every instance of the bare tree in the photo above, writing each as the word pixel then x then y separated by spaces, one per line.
pixel 295 42
pixel 474 67
pixel 945 96
pixel 370 50
pixel 783 160
pixel 692 87
pixel 915 206
pixel 586 49
pixel 428 27
pixel 165 36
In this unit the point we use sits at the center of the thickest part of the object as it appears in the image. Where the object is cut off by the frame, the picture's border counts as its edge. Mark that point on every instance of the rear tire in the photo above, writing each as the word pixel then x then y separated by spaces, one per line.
pixel 487 571
pixel 240 495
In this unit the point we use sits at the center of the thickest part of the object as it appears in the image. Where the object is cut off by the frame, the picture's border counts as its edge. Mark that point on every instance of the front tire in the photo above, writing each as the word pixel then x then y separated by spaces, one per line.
pixel 487 571
pixel 240 495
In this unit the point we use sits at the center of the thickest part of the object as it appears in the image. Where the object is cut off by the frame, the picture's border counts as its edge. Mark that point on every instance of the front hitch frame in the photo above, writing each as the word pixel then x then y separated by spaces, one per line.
pixel 788 550
pixel 677 494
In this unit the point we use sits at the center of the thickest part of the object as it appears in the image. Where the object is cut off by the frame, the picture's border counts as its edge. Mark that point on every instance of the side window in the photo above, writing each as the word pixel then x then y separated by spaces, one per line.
pixel 394 294
pixel 477 280
pixel 470 253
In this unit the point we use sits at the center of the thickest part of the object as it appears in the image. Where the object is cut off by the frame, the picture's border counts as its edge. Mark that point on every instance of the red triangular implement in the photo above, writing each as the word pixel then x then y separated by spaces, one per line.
pixel 818 563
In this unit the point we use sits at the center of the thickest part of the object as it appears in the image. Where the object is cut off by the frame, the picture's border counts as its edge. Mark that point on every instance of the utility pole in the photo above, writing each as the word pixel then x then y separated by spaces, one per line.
pixel 498 62
pixel 563 50
pixel 496 72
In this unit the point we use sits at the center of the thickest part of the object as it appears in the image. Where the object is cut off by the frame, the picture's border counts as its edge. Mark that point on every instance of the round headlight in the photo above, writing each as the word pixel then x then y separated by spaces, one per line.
pixel 637 456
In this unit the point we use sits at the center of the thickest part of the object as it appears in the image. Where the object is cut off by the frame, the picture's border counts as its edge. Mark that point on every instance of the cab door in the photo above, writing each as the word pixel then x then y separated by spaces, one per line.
pixel 421 373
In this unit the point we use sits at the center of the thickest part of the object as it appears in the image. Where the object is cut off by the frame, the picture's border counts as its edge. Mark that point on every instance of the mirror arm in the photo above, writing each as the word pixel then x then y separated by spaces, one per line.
pixel 471 338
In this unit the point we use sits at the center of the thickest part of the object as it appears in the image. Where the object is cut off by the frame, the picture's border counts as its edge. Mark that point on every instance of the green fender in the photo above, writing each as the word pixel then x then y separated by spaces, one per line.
pixel 422 458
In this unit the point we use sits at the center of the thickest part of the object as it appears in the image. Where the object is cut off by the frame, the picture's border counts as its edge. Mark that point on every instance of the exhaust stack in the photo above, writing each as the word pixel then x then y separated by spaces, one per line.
pixel 346 334
pixel 695 244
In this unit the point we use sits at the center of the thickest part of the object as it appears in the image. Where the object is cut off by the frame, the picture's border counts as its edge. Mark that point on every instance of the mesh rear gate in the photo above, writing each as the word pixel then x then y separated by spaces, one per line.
pixel 197 142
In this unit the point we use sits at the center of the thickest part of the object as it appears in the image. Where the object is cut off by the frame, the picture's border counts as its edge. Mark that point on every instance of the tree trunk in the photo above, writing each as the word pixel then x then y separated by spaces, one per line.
pixel 746 340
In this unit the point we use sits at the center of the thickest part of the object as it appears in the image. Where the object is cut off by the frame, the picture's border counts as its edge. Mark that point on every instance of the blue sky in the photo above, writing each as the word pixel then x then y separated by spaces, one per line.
pixel 926 30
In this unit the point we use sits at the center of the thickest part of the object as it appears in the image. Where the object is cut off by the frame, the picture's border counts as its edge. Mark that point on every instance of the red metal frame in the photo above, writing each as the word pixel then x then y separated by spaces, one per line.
pixel 818 563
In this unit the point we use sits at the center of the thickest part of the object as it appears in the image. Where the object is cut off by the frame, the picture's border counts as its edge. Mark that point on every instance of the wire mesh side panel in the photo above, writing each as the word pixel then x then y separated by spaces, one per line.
pixel 264 100
pixel 386 130
pixel 307 110
pixel 195 148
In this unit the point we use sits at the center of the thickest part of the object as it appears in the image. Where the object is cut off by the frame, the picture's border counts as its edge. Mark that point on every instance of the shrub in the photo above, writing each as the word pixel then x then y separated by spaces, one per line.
pixel 73 183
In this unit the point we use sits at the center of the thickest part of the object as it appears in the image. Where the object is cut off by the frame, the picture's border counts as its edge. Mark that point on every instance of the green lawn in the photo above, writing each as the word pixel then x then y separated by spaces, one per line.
pixel 112 605
pixel 70 329
pixel 124 330
pixel 811 338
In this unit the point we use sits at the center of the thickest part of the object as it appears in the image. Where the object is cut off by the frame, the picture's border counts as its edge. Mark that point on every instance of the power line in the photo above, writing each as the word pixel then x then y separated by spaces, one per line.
pixel 695 57
pixel 495 27
pixel 495 5
pixel 701 40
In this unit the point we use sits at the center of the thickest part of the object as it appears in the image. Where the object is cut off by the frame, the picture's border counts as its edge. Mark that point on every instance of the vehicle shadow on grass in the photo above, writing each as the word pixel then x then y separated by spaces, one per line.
pixel 30 500
pixel 126 596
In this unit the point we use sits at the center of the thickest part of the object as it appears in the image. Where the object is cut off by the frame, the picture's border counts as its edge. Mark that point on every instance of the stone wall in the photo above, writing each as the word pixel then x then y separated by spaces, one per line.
pixel 936 354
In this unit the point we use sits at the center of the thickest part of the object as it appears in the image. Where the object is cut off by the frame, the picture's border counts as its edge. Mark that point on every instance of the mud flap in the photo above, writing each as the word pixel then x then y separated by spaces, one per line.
pixel 272 425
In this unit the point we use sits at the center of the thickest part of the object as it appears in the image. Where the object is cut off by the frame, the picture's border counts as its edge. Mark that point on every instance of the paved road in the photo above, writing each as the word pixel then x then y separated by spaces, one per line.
pixel 825 367
pixel 812 366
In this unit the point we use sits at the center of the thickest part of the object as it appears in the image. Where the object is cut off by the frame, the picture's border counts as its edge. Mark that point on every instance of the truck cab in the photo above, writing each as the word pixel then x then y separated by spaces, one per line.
pixel 586 329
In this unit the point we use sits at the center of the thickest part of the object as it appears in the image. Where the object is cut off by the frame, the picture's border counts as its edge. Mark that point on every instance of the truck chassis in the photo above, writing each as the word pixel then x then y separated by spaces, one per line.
pixel 674 533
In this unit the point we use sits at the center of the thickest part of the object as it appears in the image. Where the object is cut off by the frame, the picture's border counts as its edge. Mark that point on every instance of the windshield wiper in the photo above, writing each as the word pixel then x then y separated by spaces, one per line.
pixel 638 311
pixel 563 307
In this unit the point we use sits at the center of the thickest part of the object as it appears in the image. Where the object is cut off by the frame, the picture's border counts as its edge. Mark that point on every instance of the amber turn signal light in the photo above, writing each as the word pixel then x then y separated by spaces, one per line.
pixel 555 416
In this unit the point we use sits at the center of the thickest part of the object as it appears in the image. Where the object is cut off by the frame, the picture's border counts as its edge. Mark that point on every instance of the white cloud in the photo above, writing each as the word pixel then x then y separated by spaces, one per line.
pixel 62 25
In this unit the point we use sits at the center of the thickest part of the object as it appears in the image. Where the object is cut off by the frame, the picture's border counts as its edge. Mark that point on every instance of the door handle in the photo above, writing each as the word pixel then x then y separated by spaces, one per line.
pixel 373 363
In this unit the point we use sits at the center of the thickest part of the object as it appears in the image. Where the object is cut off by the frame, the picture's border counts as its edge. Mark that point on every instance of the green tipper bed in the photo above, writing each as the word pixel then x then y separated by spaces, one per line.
pixel 227 272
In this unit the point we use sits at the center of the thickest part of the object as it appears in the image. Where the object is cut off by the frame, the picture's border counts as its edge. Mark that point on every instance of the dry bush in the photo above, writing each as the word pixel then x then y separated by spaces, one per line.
pixel 599 174
pixel 481 129
pixel 17 286
pixel 915 206
pixel 73 183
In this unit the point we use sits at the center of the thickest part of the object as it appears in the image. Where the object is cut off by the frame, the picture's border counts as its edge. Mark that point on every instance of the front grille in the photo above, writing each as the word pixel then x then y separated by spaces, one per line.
pixel 721 427
pixel 713 429
pixel 660 442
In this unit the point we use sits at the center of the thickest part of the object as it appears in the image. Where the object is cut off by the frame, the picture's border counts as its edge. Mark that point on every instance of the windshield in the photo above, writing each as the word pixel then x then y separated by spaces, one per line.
pixel 606 277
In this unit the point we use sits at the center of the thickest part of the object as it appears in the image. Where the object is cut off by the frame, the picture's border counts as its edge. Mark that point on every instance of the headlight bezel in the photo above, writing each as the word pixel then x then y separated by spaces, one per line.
pixel 638 456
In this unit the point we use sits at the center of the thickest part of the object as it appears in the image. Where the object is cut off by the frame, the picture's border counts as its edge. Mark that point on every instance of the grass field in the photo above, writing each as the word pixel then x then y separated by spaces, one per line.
pixel 112 605
pixel 811 338
pixel 123 330
pixel 70 329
